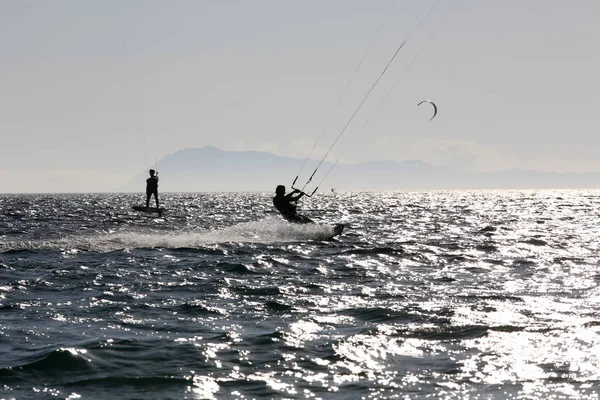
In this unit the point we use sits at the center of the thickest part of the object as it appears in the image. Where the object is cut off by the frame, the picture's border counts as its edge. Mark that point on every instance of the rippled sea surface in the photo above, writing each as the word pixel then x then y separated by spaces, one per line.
pixel 426 295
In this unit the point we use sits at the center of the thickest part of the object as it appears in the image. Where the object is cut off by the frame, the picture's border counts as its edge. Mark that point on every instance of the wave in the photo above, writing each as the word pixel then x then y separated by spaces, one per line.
pixel 55 361
pixel 466 332
pixel 378 314
pixel 376 250
pixel 77 368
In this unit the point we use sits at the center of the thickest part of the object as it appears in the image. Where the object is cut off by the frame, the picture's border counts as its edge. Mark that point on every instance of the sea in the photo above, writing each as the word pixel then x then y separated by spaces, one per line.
pixel 425 295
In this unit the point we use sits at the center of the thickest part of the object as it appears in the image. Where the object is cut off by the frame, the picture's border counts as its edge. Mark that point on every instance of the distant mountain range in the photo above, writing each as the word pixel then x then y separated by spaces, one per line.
pixel 210 169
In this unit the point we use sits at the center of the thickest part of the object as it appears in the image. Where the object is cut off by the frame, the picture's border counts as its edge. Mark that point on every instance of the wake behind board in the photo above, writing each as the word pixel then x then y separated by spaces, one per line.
pixel 150 210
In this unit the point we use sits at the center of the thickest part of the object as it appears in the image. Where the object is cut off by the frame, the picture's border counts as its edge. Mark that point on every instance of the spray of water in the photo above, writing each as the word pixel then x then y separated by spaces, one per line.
pixel 268 230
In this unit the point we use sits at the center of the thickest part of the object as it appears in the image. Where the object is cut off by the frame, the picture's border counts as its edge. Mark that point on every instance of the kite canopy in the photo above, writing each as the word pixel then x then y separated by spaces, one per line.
pixel 434 107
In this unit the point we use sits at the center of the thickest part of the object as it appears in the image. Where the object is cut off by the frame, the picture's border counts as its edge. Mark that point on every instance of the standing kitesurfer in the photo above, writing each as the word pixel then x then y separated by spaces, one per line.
pixel 152 188
pixel 286 205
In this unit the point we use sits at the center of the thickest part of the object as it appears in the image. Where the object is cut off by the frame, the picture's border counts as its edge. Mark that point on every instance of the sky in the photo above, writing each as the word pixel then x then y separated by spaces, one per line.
pixel 93 92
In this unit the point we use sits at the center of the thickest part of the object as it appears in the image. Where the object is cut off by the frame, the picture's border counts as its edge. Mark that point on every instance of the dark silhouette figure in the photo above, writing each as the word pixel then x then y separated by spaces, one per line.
pixel 286 205
pixel 152 188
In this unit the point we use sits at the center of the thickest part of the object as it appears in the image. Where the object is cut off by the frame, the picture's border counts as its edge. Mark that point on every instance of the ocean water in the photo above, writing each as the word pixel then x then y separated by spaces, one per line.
pixel 440 295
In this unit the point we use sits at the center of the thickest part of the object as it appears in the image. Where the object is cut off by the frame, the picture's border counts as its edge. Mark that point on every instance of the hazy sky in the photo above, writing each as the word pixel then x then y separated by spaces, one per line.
pixel 92 92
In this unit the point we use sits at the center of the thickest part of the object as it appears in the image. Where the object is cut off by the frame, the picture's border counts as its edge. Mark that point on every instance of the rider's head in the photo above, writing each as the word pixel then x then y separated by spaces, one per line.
pixel 280 190
pixel 151 172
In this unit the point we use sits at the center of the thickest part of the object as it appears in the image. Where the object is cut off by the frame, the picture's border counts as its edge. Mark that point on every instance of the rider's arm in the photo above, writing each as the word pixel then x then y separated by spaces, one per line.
pixel 298 197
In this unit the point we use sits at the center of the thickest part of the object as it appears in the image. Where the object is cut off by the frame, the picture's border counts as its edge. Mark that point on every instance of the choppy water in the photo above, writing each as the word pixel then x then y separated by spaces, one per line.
pixel 426 295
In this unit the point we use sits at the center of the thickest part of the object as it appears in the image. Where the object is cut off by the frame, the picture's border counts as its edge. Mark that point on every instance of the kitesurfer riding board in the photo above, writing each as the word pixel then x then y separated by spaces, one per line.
pixel 287 206
pixel 151 190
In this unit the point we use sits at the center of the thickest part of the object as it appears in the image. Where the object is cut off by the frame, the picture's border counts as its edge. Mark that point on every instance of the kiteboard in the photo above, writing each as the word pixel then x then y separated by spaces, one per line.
pixel 337 230
pixel 324 231
pixel 150 210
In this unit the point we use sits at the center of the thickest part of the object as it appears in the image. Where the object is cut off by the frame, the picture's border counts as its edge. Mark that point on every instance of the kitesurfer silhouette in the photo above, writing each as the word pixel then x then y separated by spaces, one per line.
pixel 152 188
pixel 286 205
